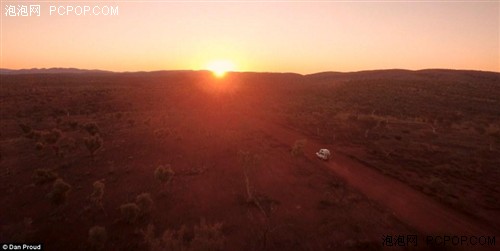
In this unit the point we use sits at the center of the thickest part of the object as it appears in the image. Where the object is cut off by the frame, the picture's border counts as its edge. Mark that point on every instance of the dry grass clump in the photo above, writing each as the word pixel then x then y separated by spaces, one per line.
pixel 43 175
pixel 145 203
pixel 298 147
pixel 65 146
pixel 93 143
pixel 30 133
pixel 52 136
pixel 207 237
pixel 164 174
pixel 97 237
pixel 203 237
pixel 60 191
pixel 25 128
pixel 142 206
pixel 91 128
pixel 39 146
pixel 98 194
pixel 130 212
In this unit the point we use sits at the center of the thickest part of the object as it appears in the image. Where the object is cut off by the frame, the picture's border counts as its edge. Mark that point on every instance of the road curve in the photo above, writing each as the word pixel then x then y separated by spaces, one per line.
pixel 411 206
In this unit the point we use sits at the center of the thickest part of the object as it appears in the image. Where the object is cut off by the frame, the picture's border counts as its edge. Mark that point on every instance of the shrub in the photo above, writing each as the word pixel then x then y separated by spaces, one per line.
pixel 25 128
pixel 171 240
pixel 298 147
pixel 43 175
pixel 67 145
pixel 91 128
pixel 175 240
pixel 130 212
pixel 60 191
pixel 208 237
pixel 39 146
pixel 93 143
pixel 144 202
pixel 73 124
pixel 34 134
pixel 51 137
pixel 164 174
pixel 97 237
pixel 204 237
pixel 98 193
pixel 131 122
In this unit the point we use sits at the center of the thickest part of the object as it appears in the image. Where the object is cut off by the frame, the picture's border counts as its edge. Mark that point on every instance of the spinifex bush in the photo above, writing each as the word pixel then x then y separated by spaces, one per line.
pixel 25 128
pixel 172 240
pixel 97 194
pixel 43 175
pixel 93 143
pixel 65 146
pixel 130 212
pixel 73 124
pixel 208 237
pixel 164 174
pixel 97 237
pixel 33 134
pixel 91 128
pixel 60 191
pixel 144 202
pixel 203 237
pixel 52 136
pixel 39 146
pixel 298 147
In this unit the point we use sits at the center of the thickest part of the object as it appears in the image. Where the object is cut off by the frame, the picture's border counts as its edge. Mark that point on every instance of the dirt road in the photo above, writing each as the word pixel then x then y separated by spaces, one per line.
pixel 409 205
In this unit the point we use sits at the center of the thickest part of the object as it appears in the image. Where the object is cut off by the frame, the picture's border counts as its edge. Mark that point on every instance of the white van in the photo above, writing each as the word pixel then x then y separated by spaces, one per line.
pixel 323 154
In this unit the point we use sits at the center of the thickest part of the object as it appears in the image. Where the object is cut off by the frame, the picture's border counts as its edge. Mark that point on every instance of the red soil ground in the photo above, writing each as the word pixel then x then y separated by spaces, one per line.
pixel 303 202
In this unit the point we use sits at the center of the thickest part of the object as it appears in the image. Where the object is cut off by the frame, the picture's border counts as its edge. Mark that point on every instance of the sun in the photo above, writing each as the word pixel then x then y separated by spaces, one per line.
pixel 220 67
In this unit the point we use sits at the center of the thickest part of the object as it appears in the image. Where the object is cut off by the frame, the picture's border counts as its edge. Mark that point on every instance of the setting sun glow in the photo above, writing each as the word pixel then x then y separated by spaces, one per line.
pixel 220 67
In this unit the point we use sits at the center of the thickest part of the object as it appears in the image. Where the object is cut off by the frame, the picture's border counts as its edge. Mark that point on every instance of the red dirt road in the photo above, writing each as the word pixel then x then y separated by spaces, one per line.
pixel 409 205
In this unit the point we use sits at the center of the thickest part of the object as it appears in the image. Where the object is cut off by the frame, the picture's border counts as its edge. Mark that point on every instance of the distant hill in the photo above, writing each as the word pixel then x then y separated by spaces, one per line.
pixel 320 77
pixel 50 71
pixel 400 74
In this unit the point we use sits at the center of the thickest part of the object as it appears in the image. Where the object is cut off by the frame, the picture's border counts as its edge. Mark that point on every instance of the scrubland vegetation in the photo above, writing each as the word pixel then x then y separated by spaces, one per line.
pixel 184 161
pixel 434 131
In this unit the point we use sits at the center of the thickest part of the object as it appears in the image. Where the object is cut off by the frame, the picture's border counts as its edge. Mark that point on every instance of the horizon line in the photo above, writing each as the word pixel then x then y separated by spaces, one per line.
pixel 4 71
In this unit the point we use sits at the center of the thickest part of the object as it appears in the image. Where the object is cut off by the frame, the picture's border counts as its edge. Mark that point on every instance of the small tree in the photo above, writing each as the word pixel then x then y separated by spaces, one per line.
pixel 93 143
pixel 60 191
pixel 249 161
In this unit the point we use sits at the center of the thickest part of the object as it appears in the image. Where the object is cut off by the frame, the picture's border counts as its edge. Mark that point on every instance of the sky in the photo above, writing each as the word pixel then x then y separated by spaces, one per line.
pixel 272 36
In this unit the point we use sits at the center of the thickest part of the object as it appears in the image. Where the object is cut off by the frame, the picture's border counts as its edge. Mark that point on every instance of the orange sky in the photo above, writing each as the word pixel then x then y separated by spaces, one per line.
pixel 299 36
